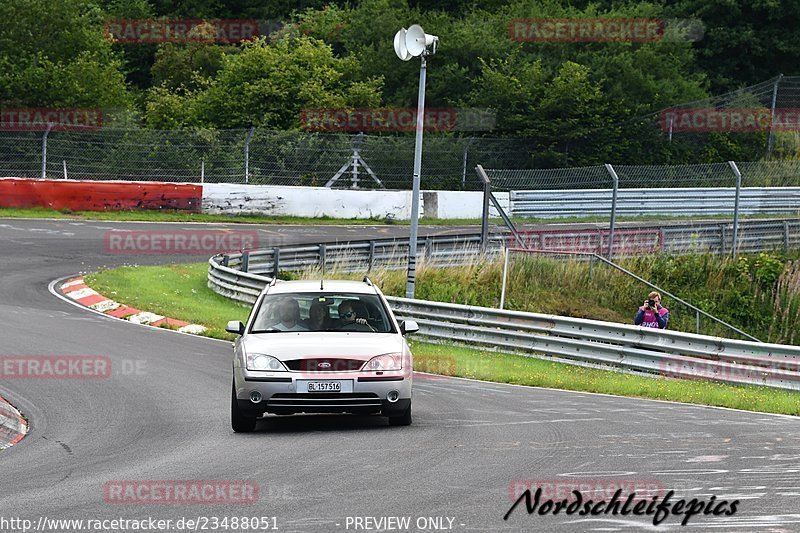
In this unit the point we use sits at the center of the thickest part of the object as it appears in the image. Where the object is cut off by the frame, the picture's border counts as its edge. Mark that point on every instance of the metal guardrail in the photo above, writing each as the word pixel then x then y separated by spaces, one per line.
pixel 633 348
pixel 673 237
pixel 684 201
pixel 573 340
pixel 442 251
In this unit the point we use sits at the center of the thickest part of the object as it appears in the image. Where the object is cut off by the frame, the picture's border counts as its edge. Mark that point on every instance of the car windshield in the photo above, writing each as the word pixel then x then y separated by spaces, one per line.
pixel 314 312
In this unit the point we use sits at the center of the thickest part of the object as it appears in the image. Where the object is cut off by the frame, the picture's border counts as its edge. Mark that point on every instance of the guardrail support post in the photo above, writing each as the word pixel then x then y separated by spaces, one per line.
pixel 697 317
pixel 225 259
pixel 245 261
pixel 785 236
pixel 371 260
pixel 722 238
pixel 276 261
pixel 322 250
pixel 736 206
pixel 591 266
pixel 612 223
pixel 428 247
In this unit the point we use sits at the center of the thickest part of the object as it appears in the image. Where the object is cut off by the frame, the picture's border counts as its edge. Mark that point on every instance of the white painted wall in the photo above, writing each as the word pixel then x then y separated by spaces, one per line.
pixel 341 203
pixel 306 201
pixel 466 204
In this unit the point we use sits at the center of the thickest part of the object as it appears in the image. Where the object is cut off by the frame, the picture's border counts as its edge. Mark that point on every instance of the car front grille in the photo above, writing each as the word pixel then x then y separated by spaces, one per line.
pixel 324 364
pixel 325 400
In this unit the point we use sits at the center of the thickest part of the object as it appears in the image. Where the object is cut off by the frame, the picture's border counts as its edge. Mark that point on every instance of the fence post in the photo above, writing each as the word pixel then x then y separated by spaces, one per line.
pixel 735 169
pixel 612 223
pixel 276 260
pixel 487 190
pixel 247 155
pixel 464 170
pixel 44 150
pixel 203 169
pixel 772 115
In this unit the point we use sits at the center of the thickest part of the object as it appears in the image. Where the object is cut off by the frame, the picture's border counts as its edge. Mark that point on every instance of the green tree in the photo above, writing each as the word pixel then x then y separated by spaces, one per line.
pixel 55 54
pixel 267 85
pixel 745 41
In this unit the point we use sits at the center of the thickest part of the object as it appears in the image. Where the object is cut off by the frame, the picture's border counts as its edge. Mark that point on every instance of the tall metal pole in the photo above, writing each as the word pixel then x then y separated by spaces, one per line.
pixel 772 114
pixel 412 242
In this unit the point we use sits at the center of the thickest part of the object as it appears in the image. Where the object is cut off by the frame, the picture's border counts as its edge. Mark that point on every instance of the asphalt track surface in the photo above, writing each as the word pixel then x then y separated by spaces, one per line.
pixel 469 442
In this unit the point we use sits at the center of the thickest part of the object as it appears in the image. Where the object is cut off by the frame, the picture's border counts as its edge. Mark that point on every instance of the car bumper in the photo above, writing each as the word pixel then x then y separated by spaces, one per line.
pixel 280 395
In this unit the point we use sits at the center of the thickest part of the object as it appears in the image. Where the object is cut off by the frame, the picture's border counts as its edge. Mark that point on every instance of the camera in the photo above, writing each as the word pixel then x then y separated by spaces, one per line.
pixel 651 303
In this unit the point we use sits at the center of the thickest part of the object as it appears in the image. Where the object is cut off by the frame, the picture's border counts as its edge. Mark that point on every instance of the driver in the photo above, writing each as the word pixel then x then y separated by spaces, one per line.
pixel 347 315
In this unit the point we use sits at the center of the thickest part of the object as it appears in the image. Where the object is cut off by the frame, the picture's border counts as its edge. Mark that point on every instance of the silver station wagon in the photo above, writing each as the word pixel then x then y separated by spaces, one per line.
pixel 321 346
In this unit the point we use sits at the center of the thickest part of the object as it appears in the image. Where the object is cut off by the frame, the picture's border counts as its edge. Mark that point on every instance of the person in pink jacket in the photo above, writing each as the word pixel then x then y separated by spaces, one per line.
pixel 651 314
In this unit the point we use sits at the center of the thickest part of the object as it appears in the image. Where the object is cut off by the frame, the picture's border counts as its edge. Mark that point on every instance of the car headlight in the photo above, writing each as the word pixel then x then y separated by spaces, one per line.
pixel 389 361
pixel 264 363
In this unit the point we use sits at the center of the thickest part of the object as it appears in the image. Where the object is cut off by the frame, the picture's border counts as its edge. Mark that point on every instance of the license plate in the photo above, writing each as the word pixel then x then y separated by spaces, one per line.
pixel 324 386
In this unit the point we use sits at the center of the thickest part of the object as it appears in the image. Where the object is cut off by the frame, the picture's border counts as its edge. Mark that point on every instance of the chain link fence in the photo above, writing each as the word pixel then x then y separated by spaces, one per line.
pixel 254 156
pixel 723 193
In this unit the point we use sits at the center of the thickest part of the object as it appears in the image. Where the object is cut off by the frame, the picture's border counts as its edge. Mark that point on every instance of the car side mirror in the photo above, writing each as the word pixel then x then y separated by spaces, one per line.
pixel 235 326
pixel 408 326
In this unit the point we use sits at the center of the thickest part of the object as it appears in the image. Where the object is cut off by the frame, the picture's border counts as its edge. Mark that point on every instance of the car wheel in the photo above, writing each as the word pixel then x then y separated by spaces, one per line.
pixel 401 420
pixel 240 422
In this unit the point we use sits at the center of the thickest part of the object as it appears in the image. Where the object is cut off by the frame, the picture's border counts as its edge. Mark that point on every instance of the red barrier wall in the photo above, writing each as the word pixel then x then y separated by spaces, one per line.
pixel 99 195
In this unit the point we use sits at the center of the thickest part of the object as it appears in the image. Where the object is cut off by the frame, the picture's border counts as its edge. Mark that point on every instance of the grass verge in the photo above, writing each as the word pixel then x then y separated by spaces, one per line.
pixel 179 216
pixel 175 291
pixel 179 291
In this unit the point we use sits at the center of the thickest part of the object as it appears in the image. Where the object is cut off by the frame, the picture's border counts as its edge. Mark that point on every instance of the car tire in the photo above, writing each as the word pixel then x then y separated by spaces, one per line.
pixel 403 419
pixel 240 423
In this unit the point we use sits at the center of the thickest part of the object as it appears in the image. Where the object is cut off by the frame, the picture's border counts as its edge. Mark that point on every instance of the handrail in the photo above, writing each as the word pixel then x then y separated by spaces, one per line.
pixel 593 255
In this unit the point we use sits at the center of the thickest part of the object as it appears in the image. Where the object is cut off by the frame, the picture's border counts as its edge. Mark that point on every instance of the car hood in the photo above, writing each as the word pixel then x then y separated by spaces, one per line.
pixel 345 345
